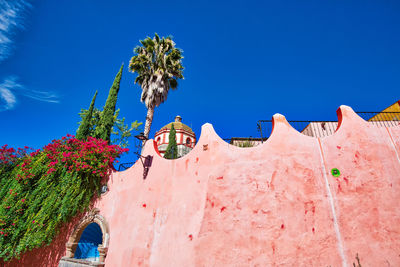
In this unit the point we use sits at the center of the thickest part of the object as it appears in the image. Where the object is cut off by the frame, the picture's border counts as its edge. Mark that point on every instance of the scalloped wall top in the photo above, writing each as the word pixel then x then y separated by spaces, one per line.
pixel 269 205
pixel 280 198
pixel 345 114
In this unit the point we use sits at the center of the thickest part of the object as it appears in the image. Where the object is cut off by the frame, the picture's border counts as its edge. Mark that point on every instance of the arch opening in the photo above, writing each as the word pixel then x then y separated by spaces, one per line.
pixel 89 242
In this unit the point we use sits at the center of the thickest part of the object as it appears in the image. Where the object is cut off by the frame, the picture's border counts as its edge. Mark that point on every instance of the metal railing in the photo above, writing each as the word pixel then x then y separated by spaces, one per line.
pixel 385 119
pixel 325 128
pixel 306 127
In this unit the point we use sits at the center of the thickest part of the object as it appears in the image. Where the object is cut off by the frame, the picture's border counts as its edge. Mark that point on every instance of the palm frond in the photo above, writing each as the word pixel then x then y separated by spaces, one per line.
pixel 158 65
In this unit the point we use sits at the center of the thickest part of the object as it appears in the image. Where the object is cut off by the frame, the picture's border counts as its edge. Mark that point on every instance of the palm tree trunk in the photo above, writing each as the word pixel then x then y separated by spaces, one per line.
pixel 149 120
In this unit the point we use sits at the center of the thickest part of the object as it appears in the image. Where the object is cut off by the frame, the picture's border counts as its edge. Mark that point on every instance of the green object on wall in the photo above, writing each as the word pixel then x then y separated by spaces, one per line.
pixel 335 172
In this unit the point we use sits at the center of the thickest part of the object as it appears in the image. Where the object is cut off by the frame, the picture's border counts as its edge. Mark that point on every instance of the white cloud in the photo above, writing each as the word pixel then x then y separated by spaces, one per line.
pixel 12 13
pixel 6 94
pixel 10 88
pixel 8 97
pixel 42 96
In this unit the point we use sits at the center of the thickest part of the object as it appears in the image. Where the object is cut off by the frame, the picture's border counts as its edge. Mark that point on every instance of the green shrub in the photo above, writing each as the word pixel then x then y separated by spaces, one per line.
pixel 41 191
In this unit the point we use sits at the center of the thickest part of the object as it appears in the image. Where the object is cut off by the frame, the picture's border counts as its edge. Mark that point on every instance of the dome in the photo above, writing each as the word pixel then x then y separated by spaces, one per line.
pixel 185 137
pixel 178 125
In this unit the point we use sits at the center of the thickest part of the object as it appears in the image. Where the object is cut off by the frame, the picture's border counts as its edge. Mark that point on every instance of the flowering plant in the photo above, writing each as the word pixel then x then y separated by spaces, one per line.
pixel 9 155
pixel 42 189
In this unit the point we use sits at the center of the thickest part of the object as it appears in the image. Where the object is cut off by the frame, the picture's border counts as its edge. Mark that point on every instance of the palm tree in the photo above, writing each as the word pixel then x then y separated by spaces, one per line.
pixel 158 66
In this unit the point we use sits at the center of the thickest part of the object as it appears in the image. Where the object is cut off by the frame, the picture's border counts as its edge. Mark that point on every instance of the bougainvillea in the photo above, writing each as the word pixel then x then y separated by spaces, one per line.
pixel 9 155
pixel 45 188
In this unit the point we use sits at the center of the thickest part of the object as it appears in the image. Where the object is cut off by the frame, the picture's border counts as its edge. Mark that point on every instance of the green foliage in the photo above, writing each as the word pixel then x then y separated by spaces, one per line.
pixel 120 132
pixel 172 148
pixel 85 127
pixel 158 65
pixel 106 122
pixel 94 120
pixel 246 143
pixel 41 191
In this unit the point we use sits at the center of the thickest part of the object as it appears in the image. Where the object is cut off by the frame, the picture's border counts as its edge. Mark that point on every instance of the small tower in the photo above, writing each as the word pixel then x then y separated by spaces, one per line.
pixel 185 137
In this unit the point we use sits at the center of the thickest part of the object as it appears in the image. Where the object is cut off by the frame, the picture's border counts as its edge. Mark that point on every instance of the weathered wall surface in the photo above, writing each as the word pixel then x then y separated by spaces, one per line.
pixel 276 204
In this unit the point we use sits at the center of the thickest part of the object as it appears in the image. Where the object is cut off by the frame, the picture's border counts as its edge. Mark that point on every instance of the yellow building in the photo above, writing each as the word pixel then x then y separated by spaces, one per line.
pixel 391 113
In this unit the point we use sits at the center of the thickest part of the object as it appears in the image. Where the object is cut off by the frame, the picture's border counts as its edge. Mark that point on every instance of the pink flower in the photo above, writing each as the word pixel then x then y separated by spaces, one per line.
pixel 23 200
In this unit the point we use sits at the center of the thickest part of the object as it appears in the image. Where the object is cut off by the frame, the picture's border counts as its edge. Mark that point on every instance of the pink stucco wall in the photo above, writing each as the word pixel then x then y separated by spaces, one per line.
pixel 272 205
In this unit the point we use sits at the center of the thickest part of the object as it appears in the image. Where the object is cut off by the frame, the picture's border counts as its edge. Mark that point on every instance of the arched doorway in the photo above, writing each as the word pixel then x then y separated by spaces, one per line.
pixel 89 240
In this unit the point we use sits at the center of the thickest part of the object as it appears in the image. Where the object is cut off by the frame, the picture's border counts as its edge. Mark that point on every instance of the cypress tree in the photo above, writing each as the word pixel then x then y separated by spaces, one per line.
pixel 172 148
pixel 103 129
pixel 85 127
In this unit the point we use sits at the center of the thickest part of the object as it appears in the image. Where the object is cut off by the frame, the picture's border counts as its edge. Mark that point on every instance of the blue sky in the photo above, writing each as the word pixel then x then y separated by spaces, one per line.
pixel 244 61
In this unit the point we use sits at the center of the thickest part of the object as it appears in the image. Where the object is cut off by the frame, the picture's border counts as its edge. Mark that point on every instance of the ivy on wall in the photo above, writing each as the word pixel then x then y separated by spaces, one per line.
pixel 41 190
